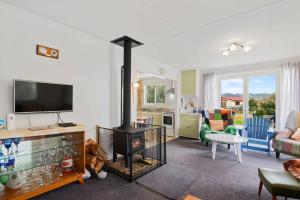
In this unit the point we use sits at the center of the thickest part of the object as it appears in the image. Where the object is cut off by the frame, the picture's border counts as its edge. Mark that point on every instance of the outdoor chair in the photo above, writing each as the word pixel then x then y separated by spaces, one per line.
pixel 258 134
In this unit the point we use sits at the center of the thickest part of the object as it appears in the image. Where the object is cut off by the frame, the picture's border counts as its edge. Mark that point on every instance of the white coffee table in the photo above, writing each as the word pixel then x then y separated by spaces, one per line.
pixel 221 138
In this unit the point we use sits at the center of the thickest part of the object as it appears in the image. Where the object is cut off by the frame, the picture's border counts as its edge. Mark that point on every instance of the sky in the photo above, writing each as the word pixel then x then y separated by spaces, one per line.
pixel 257 85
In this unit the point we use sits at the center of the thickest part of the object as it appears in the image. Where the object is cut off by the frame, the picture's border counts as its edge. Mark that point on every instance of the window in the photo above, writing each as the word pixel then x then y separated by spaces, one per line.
pixel 154 94
pixel 150 94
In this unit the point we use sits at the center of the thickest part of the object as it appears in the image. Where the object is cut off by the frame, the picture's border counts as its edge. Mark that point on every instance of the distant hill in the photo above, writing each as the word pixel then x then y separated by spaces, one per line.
pixel 254 96
pixel 259 96
pixel 231 95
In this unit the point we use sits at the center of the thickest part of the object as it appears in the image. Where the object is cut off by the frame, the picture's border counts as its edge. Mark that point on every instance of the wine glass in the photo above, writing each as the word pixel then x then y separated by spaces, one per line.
pixel 58 160
pixel 7 144
pixel 10 164
pixel 16 142
pixel 2 158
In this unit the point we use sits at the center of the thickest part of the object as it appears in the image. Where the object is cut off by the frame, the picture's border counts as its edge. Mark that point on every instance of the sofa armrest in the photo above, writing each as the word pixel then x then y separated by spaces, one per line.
pixel 285 134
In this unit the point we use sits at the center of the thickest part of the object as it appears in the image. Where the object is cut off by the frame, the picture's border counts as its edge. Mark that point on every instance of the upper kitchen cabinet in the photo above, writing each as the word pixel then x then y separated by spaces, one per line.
pixel 189 83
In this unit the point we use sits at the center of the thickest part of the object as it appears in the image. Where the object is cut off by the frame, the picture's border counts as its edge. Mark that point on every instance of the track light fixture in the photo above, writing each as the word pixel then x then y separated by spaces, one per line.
pixel 234 46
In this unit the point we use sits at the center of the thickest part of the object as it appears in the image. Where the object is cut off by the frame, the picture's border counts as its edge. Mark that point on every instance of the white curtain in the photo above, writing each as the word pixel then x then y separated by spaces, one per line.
pixel 290 90
pixel 211 94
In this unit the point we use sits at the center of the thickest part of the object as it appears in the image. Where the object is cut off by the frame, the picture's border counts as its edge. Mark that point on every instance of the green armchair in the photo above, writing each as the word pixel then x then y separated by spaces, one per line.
pixel 217 114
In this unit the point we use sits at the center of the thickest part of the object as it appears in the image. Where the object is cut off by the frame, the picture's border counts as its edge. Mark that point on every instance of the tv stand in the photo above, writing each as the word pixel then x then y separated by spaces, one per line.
pixel 39 128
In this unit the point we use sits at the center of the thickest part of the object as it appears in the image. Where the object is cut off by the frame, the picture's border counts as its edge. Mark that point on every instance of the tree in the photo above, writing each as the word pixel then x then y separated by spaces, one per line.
pixel 267 107
pixel 150 94
pixel 252 104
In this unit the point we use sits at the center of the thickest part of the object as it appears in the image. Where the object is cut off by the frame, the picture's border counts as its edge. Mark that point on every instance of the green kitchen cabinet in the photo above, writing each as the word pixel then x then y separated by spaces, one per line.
pixel 189 82
pixel 190 125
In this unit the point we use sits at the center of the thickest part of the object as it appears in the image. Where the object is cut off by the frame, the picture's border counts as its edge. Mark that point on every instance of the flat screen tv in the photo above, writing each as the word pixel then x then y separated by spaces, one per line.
pixel 37 97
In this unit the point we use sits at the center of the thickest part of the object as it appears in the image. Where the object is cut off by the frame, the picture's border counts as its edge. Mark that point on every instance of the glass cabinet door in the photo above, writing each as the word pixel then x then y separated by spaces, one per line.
pixel 32 162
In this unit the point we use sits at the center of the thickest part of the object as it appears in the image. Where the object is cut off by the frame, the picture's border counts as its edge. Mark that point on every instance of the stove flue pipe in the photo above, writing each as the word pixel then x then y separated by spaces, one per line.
pixel 127 43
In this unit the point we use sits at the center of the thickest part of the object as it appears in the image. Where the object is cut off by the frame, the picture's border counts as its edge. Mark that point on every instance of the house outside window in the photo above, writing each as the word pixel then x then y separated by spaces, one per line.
pixel 154 94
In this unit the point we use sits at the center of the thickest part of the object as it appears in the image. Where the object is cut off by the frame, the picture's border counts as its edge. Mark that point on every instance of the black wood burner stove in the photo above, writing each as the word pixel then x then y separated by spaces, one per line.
pixel 130 140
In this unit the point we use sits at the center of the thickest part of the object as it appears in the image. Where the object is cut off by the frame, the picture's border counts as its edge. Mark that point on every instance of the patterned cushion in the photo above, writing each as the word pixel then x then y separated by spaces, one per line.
pixel 218 116
pixel 283 134
pixel 216 125
pixel 296 135
pixel 211 116
pixel 230 122
pixel 224 111
pixel 225 123
pixel 293 121
pixel 224 115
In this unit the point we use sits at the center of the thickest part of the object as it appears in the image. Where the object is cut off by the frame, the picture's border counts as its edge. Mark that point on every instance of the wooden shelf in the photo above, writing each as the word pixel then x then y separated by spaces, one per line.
pixel 51 130
pixel 66 179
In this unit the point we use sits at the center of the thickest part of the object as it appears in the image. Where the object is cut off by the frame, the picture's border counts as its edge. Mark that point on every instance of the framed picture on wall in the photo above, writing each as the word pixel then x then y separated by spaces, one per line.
pixel 47 51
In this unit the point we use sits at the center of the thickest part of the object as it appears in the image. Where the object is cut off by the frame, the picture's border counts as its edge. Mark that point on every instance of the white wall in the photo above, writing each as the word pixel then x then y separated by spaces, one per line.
pixel 84 62
pixel 90 64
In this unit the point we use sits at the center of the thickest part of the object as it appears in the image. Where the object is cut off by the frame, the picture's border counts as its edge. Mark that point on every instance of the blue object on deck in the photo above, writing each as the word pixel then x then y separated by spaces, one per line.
pixel 257 132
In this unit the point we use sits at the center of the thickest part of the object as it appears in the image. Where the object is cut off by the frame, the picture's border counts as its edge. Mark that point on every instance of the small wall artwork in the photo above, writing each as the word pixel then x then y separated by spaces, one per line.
pixel 47 51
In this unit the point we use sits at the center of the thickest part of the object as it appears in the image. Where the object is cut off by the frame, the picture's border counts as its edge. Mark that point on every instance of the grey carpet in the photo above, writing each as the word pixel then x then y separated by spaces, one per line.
pixel 170 180
pixel 189 170
pixel 111 188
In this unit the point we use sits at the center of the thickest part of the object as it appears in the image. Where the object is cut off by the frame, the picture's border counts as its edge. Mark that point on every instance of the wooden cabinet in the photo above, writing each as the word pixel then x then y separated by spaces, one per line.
pixel 190 125
pixel 40 163
pixel 189 82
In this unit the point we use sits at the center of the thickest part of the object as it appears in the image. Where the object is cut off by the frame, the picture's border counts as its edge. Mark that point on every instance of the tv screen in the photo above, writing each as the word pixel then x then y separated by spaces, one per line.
pixel 30 97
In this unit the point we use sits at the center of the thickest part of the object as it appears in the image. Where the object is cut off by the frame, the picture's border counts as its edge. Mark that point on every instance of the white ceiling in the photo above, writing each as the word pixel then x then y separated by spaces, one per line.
pixel 185 33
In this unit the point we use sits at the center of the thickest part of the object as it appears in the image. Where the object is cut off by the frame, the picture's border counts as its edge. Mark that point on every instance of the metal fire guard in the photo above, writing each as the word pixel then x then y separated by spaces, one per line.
pixel 141 159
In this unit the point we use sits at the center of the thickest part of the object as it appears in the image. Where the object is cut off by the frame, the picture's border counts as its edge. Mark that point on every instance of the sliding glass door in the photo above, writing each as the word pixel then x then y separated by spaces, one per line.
pixel 249 95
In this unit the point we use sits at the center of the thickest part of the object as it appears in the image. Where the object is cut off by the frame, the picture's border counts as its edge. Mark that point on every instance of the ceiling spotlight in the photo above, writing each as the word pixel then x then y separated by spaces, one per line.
pixel 233 47
pixel 247 48
pixel 225 53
